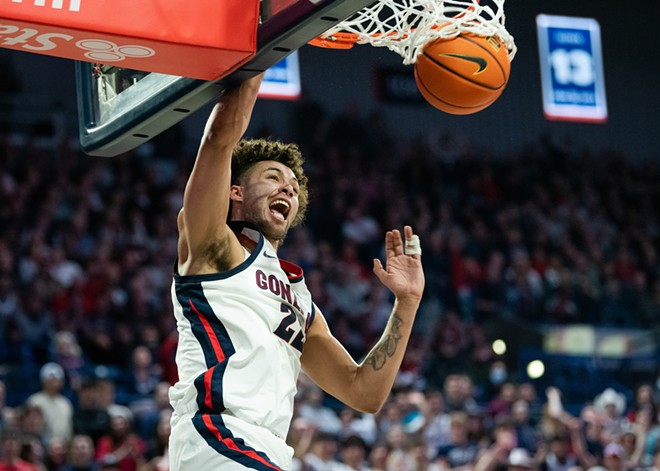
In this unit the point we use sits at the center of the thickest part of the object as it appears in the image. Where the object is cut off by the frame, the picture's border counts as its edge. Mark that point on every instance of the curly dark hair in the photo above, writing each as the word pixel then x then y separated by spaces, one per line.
pixel 251 151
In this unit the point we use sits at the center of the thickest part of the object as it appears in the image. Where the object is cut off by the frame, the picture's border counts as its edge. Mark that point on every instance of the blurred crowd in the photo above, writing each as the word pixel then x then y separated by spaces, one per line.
pixel 550 236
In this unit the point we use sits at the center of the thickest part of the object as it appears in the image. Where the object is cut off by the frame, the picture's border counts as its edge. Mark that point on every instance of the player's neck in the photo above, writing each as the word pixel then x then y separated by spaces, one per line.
pixel 249 242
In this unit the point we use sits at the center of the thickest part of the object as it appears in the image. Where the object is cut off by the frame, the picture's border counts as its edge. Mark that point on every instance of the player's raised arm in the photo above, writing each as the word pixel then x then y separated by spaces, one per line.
pixel 366 386
pixel 206 199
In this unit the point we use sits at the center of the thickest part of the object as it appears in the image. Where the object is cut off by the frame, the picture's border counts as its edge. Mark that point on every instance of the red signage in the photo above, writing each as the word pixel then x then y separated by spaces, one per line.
pixel 205 39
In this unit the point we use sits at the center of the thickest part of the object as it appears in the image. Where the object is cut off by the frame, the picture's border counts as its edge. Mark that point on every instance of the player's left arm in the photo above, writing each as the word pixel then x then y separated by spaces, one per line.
pixel 366 386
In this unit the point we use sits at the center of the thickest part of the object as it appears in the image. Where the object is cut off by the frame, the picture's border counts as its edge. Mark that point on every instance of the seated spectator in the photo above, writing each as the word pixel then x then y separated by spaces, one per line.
pixel 89 417
pixel 558 456
pixel 353 453
pixel 379 456
pixel 56 454
pixel 157 454
pixel 6 413
pixel 10 449
pixel 32 422
pixel 357 423
pixel 68 354
pixel 107 397
pixel 460 452
pixel 400 445
pixel 81 454
pixel 313 410
pixel 148 411
pixel 436 422
pixel 500 405
pixel 142 377
pixel 57 409
pixel 419 455
pixel 33 452
pixel 526 434
pixel 613 458
pixel 121 443
pixel 322 454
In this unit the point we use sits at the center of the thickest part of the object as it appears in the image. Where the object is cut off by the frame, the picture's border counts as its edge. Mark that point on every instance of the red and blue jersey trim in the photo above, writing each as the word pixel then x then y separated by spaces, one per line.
pixel 216 345
pixel 212 428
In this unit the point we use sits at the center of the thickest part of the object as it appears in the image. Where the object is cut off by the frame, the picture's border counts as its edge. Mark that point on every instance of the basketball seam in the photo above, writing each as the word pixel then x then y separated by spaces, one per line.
pixel 466 78
pixel 421 82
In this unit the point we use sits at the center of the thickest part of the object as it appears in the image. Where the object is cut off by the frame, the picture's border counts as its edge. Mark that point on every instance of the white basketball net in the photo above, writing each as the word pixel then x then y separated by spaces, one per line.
pixel 405 26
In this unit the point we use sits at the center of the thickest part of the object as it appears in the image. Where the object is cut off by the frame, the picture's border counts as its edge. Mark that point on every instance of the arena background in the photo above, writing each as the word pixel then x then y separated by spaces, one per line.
pixel 346 82
pixel 343 80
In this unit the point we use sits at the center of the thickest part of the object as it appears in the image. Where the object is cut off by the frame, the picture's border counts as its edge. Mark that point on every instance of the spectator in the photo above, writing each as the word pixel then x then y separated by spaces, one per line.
pixel 32 451
pixel 35 322
pixel 357 423
pixel 437 422
pixel 107 397
pixel 57 409
pixel 353 453
pixel 644 402
pixel 419 454
pixel 68 354
pixel 500 406
pixel 613 457
pixel 460 453
pixel 10 449
pixel 6 413
pixel 121 447
pixel 379 457
pixel 311 409
pixel 56 454
pixel 322 454
pixel 32 422
pixel 143 375
pixel 613 406
pixel 400 446
pixel 300 437
pixel 89 417
pixel 148 412
pixel 157 456
pixel 558 456
pixel 502 452
pixel 81 454
pixel 526 434
pixel 458 393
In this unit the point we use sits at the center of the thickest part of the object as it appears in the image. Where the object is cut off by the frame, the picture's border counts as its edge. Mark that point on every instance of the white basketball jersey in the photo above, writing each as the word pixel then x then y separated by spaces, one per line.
pixel 241 334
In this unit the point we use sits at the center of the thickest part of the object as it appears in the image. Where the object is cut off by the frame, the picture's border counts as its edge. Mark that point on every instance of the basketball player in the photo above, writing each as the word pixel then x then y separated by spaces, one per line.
pixel 246 320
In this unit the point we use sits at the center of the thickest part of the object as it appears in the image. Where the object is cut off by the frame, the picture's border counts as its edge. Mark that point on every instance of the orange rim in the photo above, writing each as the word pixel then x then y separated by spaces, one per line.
pixel 346 40
pixel 339 40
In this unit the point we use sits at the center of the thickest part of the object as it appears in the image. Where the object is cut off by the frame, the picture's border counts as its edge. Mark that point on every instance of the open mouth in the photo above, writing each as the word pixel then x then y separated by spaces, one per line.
pixel 280 209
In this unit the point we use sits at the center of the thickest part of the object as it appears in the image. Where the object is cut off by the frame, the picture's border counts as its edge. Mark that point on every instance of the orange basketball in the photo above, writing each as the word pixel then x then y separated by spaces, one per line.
pixel 462 75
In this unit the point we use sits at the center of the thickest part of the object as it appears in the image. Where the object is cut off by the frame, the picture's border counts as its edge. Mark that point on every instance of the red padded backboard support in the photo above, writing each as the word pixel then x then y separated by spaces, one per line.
pixel 202 39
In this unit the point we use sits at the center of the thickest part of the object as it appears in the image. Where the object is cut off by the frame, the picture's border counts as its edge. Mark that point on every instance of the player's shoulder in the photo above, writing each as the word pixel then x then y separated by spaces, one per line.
pixel 220 253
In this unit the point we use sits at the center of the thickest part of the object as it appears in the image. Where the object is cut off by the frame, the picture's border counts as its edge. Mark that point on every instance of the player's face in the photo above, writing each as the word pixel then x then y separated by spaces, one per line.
pixel 269 198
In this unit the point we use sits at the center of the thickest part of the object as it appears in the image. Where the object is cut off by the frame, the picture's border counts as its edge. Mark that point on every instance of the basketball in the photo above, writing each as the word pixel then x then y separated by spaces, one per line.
pixel 462 75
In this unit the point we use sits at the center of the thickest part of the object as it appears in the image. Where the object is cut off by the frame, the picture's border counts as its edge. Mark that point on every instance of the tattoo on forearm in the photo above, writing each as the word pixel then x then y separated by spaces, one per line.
pixel 386 347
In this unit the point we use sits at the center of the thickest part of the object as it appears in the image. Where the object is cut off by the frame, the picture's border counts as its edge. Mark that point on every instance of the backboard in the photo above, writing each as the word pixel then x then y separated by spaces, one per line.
pixel 119 109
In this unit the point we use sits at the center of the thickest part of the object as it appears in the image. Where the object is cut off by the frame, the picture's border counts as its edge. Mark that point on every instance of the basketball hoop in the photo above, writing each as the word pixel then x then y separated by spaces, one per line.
pixel 405 26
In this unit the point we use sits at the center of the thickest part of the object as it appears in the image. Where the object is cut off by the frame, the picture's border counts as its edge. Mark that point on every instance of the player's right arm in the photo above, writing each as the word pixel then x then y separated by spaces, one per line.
pixel 202 222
